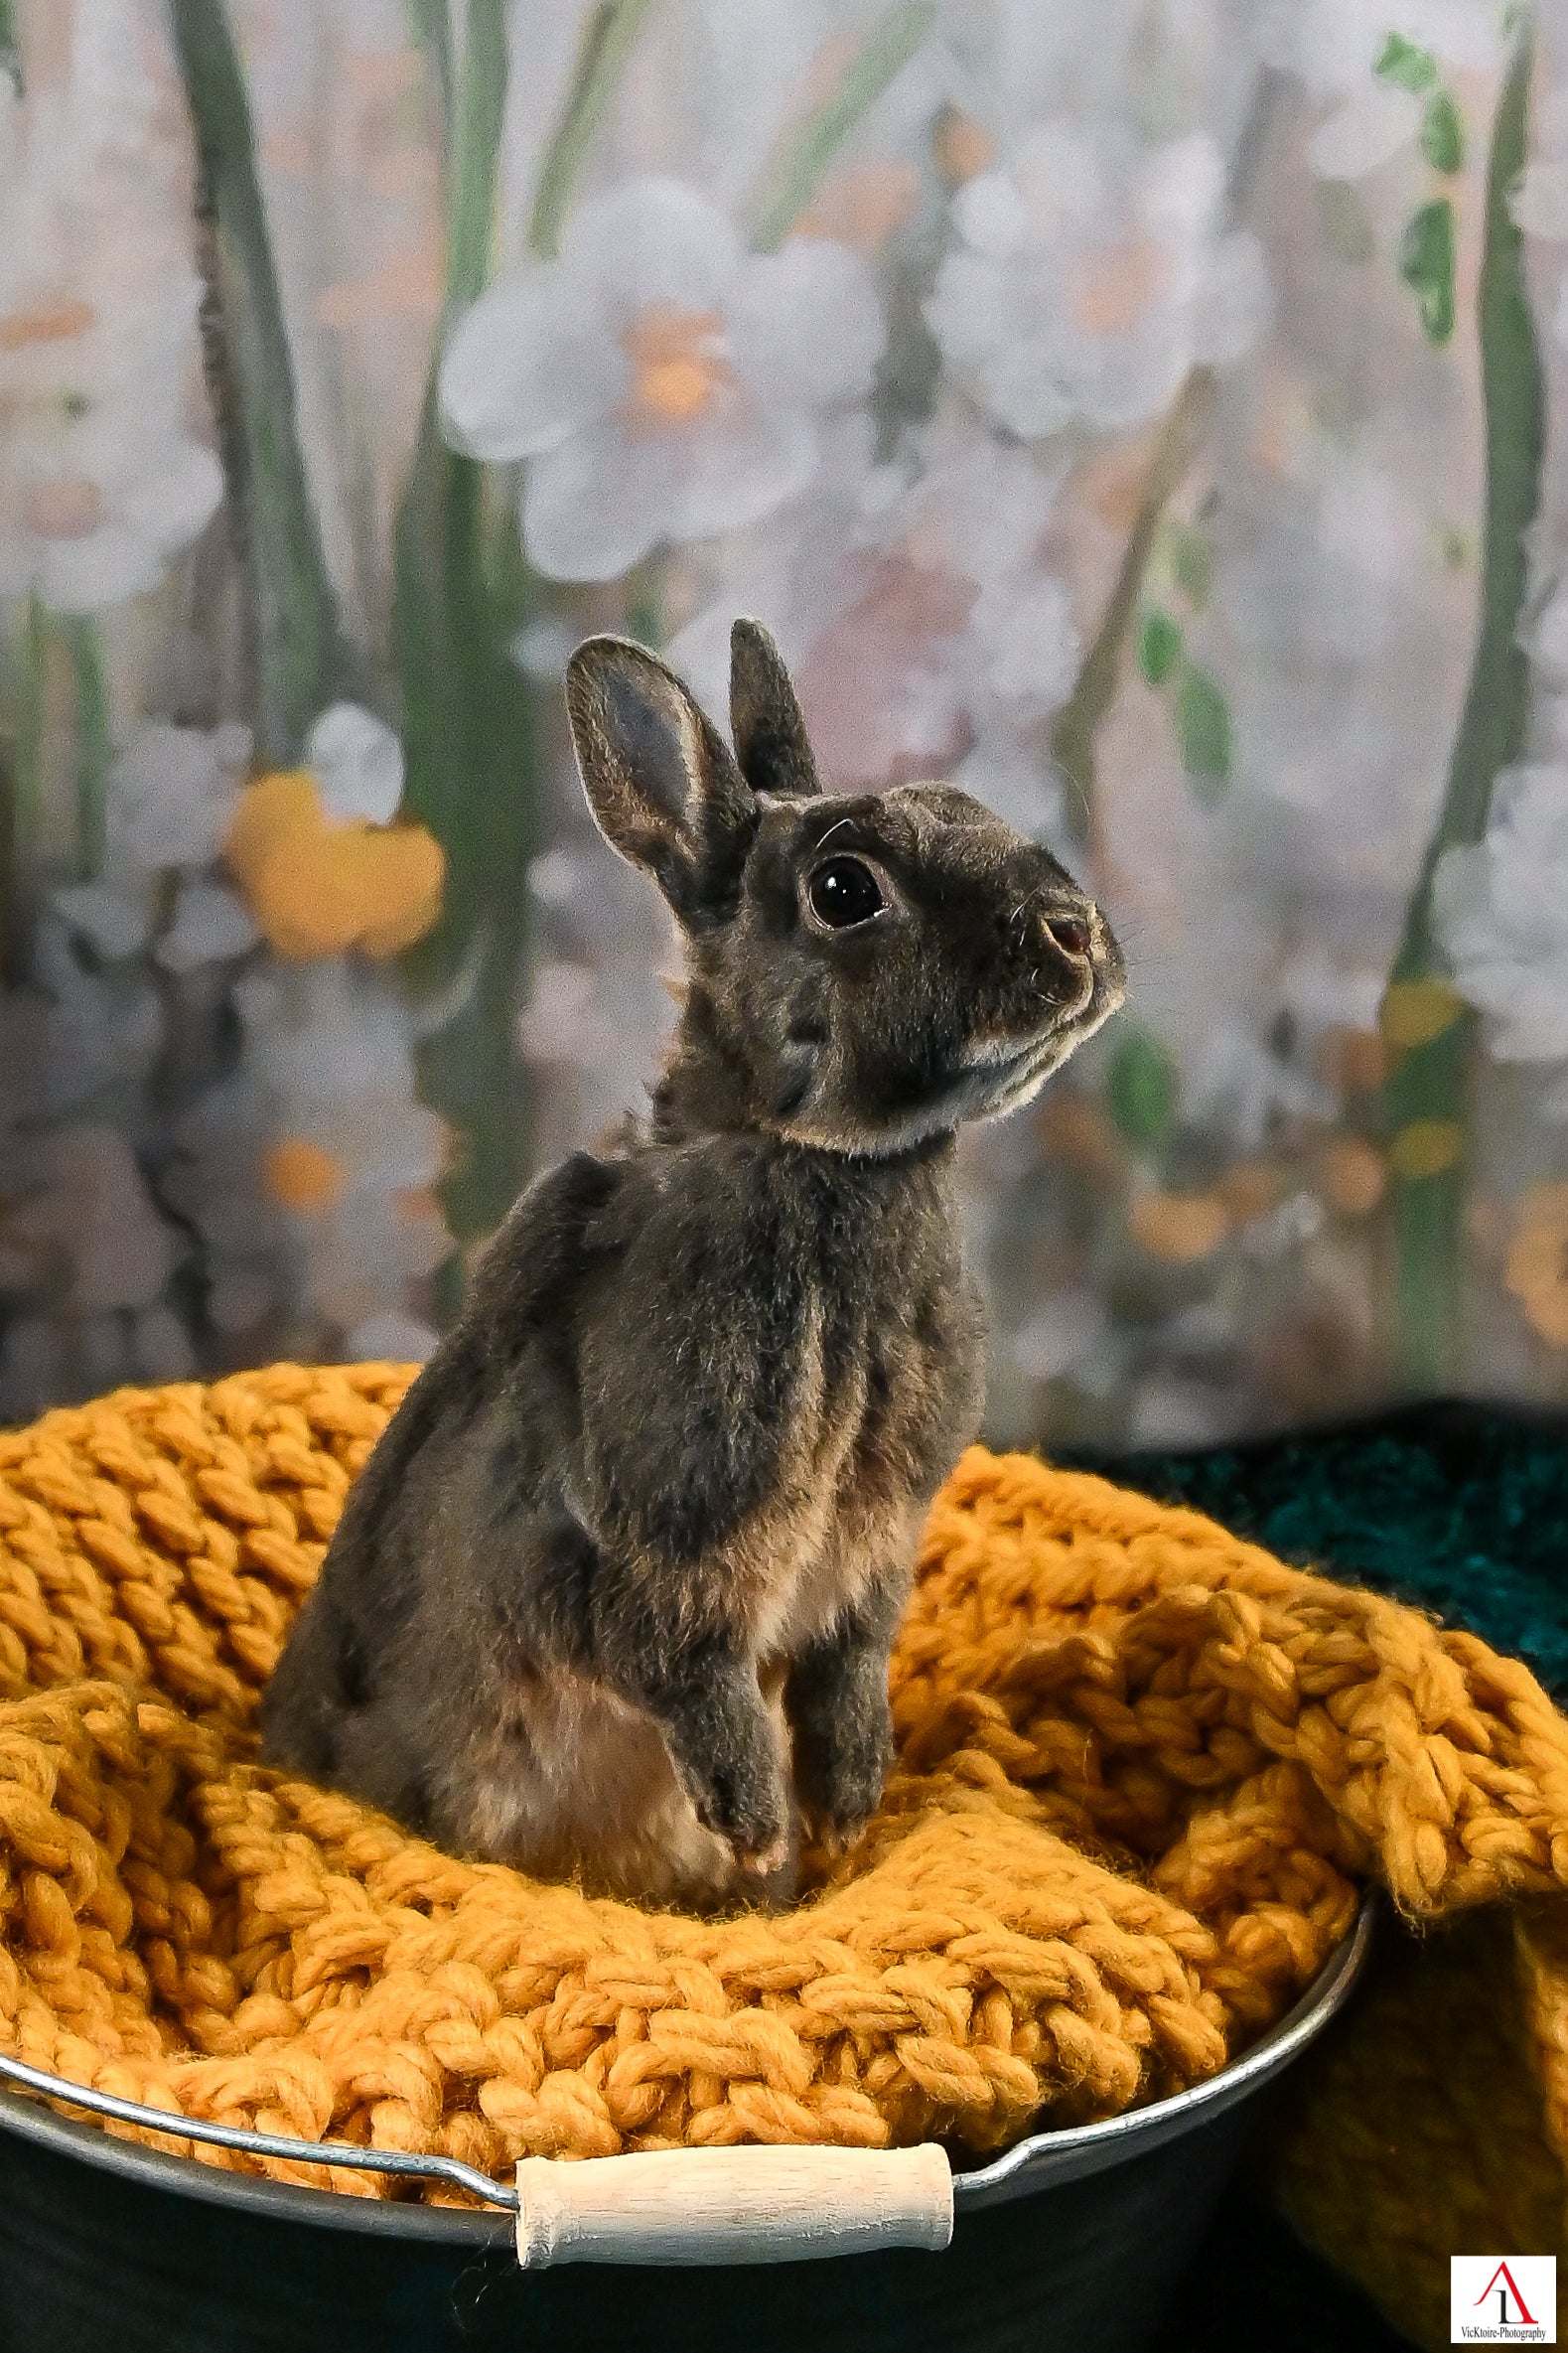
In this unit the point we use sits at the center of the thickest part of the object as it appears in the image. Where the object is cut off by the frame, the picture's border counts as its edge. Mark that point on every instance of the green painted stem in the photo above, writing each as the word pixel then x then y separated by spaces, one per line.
pixel 1180 437
pixel 28 802
pixel 1100 673
pixel 469 726
pixel 11 49
pixel 300 651
pixel 21 793
pixel 432 33
pixel 94 744
pixel 1430 1081
pixel 601 54
pixel 480 104
pixel 801 169
pixel 471 742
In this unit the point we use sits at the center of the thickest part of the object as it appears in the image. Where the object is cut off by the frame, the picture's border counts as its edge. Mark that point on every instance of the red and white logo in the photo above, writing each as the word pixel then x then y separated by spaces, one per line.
pixel 1504 2299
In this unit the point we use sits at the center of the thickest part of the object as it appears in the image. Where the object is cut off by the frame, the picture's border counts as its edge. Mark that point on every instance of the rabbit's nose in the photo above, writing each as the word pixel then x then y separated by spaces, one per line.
pixel 1072 933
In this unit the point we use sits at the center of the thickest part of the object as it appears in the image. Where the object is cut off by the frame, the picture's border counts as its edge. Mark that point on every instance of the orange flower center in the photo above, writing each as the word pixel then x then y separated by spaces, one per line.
pixel 1178 1226
pixel 1110 290
pixel 678 363
pixel 302 1175
pixel 963 147
pixel 47 322
pixel 66 509
pixel 863 205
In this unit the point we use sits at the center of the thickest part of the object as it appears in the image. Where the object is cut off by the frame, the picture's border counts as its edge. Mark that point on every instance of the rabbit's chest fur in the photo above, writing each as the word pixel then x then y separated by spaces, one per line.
pixel 819 1310
pixel 713 1388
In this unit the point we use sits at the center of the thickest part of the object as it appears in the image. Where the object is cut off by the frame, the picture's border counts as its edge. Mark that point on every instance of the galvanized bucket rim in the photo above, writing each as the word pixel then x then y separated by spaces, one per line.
pixel 1024 2170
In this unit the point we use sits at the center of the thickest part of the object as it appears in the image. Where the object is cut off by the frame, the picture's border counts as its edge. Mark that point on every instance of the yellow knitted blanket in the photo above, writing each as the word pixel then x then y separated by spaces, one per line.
pixel 1141 1768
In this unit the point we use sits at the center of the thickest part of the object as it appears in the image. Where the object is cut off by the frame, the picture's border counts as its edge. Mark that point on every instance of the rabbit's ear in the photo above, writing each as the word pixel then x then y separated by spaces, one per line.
pixel 659 777
pixel 765 718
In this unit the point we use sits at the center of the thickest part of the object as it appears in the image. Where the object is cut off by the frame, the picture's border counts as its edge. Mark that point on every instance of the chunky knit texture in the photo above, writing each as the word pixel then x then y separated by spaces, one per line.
pixel 1430 2127
pixel 1420 2126
pixel 1141 1767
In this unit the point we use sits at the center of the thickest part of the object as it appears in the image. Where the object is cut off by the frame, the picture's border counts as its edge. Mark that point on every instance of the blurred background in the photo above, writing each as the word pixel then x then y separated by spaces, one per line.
pixel 1141 414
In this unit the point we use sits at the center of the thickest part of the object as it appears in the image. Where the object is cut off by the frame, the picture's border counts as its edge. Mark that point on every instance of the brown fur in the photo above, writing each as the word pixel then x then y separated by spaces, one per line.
pixel 616 1592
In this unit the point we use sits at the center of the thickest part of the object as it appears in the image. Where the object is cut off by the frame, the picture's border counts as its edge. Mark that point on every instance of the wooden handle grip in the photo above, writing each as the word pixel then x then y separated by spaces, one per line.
pixel 732 2205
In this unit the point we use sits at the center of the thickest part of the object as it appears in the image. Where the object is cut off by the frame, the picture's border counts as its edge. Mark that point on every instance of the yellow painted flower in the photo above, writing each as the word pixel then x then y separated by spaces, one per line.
pixel 1537 1264
pixel 1426 1148
pixel 1414 1012
pixel 317 886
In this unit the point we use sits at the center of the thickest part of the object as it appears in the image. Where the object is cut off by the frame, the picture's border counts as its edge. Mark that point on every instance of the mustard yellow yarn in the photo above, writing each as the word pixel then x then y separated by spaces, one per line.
pixel 1420 2128
pixel 1141 1767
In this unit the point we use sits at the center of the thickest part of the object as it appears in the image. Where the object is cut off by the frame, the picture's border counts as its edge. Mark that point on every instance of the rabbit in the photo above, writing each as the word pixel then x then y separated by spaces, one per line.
pixel 615 1594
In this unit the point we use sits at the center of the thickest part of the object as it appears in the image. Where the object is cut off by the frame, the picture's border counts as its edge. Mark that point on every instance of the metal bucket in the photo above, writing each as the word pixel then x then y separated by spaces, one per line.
pixel 106 2243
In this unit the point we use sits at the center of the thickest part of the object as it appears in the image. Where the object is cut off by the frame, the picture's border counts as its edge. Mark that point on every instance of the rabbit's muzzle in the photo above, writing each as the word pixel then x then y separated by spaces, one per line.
pixel 1084 971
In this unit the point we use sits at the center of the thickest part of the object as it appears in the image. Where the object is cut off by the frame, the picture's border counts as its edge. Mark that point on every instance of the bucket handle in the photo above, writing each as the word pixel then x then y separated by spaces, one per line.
pixel 741 2205
pixel 667 2206
pixel 176 2126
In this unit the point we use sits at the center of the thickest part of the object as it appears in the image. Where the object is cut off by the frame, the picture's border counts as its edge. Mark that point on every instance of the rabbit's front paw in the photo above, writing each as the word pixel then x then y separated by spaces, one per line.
pixel 746 1805
pixel 841 1781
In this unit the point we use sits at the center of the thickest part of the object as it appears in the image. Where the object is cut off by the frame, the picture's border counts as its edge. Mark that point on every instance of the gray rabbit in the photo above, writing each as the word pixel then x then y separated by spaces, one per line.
pixel 615 1594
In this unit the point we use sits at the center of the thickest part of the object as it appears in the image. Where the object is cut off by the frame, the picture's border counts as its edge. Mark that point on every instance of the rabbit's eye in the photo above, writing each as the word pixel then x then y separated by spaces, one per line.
pixel 842 892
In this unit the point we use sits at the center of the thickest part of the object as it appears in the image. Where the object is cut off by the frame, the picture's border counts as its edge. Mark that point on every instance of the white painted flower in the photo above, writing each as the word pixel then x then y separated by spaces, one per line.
pixel 1071 1330
pixel 1501 913
pixel 1319 992
pixel 103 1031
pixel 309 1174
pixel 390 1338
pixel 662 383
pixel 1091 277
pixel 171 798
pixel 210 925
pixel 1239 1085
pixel 1538 199
pixel 1372 126
pixel 803 572
pixel 1548 640
pixel 172 793
pixel 357 764
pixel 912 601
pixel 91 1208
pixel 101 479
pixel 1020 786
pixel 1025 643
pixel 1334 46
pixel 115 920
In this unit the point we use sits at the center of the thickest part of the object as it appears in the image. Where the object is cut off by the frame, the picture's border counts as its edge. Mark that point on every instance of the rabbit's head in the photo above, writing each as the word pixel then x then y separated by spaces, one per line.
pixel 864 971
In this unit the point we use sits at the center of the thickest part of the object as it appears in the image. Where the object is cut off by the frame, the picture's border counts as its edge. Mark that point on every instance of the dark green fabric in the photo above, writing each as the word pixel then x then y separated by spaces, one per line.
pixel 1463 1511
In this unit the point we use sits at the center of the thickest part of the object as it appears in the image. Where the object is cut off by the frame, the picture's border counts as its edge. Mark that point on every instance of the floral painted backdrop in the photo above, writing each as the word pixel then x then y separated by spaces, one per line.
pixel 1144 415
